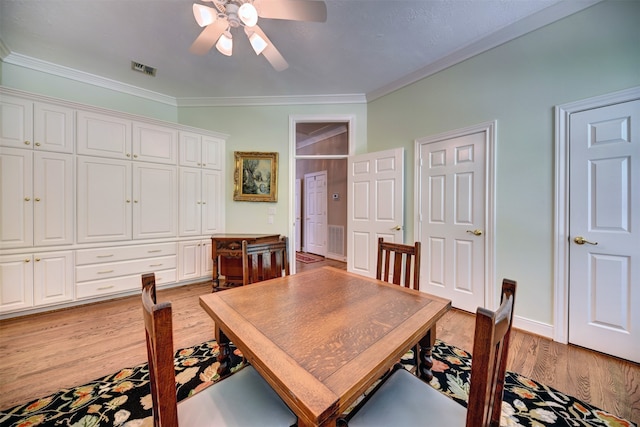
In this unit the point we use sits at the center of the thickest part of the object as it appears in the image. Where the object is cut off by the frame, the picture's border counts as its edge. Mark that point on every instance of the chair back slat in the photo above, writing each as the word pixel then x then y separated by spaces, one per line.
pixel 489 363
pixel 264 261
pixel 159 336
pixel 406 264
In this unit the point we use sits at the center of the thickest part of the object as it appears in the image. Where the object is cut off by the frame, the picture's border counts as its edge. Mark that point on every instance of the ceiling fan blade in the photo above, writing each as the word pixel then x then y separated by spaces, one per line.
pixel 270 52
pixel 208 37
pixel 296 10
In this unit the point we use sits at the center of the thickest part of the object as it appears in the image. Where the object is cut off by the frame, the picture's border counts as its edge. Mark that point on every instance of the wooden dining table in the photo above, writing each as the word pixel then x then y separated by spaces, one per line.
pixel 322 337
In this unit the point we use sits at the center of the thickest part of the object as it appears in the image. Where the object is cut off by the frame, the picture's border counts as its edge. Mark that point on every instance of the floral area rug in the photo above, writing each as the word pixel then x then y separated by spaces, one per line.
pixel 525 402
pixel 123 399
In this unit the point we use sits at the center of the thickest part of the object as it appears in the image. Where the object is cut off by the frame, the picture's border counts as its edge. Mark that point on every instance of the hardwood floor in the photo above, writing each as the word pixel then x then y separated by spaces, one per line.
pixel 43 353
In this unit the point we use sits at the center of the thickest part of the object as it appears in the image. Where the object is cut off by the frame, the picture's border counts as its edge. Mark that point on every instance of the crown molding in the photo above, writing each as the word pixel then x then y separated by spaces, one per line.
pixel 272 100
pixel 526 25
pixel 81 76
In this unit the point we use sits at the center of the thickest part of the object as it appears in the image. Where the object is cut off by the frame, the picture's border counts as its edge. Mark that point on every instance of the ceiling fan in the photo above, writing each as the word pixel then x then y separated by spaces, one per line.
pixel 228 14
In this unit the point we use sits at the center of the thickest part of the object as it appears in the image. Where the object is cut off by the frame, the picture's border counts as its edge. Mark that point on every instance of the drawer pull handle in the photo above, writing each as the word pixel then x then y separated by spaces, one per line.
pixel 155 265
pixel 104 256
pixel 104 288
pixel 105 271
pixel 155 250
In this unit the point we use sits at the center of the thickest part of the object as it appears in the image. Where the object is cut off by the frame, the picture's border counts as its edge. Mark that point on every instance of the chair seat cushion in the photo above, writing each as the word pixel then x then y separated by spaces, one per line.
pixel 243 399
pixel 405 400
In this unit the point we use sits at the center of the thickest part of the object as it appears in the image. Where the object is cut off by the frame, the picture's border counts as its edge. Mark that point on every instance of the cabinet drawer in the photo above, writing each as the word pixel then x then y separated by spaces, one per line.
pixel 123 253
pixel 120 284
pixel 114 269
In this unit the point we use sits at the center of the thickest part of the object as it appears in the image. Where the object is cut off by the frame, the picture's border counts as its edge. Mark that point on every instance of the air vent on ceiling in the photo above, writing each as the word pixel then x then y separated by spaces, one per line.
pixel 145 69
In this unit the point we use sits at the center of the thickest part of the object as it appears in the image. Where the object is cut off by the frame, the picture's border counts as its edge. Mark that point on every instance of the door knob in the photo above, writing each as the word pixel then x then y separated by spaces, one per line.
pixel 397 228
pixel 475 232
pixel 581 241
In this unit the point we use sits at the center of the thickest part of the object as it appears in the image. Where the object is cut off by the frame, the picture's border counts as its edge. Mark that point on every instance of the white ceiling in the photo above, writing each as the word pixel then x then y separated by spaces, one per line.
pixel 365 49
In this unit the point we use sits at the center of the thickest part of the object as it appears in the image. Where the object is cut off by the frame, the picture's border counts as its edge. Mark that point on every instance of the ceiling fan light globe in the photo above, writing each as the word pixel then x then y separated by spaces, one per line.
pixel 204 15
pixel 225 44
pixel 248 14
pixel 258 43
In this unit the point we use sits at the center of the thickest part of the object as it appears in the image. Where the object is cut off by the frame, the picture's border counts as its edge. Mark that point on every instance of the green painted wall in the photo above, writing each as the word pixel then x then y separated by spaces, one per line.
pixel 265 129
pixel 518 84
pixel 33 81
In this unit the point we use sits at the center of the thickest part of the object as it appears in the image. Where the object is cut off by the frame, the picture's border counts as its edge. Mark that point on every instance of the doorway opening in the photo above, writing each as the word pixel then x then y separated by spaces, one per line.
pixel 320 147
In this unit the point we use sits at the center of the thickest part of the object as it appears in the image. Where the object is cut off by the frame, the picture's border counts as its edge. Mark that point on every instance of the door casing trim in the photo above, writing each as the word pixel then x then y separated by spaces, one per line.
pixel 561 201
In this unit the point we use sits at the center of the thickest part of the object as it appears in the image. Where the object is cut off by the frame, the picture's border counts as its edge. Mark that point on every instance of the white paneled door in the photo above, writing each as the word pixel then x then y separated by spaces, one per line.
pixel 604 230
pixel 451 202
pixel 376 205
pixel 315 213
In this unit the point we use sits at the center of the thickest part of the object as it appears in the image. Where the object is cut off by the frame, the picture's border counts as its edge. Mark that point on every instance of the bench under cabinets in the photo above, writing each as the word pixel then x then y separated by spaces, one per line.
pixel 116 269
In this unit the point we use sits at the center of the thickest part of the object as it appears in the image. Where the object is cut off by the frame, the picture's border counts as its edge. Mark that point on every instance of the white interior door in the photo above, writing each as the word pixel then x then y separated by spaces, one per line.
pixel 452 225
pixel 375 182
pixel 604 229
pixel 315 213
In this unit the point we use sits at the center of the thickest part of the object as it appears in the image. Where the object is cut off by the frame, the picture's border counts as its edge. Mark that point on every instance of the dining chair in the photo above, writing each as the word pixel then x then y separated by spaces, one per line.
pixel 406 263
pixel 242 399
pixel 264 261
pixel 403 399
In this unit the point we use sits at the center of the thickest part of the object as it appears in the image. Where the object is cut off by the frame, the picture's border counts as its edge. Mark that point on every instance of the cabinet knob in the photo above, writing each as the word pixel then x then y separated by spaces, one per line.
pixel 135 156
pixel 128 155
pixel 38 144
pixel 37 199
pixel 135 201
pixel 27 143
pixel 199 164
pixel 37 259
pixel 27 260
pixel 27 199
pixel 204 203
pixel 128 201
pixel 204 164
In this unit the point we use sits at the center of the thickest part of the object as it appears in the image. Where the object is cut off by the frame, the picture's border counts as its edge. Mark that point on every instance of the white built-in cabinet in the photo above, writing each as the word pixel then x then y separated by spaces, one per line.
pixel 92 198
pixel 195 259
pixel 35 279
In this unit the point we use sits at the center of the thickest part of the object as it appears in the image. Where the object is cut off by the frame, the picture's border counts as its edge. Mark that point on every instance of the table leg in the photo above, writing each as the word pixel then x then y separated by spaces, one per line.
pixel 425 362
pixel 216 275
pixel 224 354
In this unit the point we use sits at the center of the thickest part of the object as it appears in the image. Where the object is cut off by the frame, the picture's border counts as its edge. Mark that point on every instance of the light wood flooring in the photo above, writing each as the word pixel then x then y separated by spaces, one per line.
pixel 42 353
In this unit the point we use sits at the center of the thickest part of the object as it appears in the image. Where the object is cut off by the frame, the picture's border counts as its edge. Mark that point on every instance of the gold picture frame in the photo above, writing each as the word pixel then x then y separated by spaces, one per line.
pixel 255 177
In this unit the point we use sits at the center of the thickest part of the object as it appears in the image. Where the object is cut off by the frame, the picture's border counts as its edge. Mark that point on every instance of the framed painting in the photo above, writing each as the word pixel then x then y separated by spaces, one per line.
pixel 255 177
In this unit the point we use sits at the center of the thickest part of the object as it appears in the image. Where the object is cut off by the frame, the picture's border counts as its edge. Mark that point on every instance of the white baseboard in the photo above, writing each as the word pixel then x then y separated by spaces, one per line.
pixel 533 326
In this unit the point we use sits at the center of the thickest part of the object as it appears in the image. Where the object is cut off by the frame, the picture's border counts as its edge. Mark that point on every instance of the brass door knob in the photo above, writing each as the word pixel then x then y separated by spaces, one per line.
pixel 475 232
pixel 581 241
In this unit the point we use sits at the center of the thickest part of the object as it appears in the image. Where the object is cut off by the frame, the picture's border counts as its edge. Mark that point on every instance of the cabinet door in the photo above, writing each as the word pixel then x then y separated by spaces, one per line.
pixel 104 200
pixel 190 150
pixel 16 282
pixel 155 201
pixel 52 128
pixel 189 254
pixel 16 198
pixel 103 135
pixel 53 199
pixel 212 153
pixel 52 277
pixel 156 144
pixel 206 263
pixel 212 202
pixel 16 122
pixel 190 202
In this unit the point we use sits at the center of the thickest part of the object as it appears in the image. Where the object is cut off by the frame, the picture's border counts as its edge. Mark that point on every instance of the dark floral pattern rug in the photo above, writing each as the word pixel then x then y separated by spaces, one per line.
pixel 123 399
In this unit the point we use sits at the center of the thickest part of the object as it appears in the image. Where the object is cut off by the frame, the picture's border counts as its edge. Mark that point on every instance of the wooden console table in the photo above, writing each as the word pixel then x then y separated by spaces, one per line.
pixel 228 249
